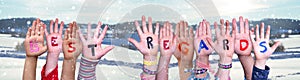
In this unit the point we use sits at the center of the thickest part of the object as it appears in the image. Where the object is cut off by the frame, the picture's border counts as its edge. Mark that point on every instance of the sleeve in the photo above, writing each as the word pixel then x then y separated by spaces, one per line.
pixel 53 75
pixel 259 74
pixel 87 69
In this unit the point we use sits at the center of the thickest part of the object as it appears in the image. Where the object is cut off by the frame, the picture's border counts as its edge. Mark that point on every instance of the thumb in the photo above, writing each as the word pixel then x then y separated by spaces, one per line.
pixel 44 49
pixel 134 42
pixel 105 51
pixel 273 48
pixel 210 42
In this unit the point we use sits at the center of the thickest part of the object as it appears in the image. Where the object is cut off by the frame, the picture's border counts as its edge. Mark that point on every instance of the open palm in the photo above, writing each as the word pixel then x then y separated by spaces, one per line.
pixel 34 42
pixel 203 33
pixel 147 35
pixel 72 45
pixel 92 48
pixel 243 44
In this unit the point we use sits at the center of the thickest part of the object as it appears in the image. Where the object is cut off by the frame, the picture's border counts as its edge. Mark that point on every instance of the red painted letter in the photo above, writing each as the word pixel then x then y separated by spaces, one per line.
pixel 53 41
pixel 166 44
pixel 186 50
pixel 71 48
pixel 243 44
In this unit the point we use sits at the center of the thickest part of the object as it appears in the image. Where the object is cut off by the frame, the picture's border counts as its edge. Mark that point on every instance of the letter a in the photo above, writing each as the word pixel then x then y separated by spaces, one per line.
pixel 202 45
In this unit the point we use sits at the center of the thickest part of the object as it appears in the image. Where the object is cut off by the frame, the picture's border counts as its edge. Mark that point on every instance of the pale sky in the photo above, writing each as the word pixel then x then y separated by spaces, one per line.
pixel 113 11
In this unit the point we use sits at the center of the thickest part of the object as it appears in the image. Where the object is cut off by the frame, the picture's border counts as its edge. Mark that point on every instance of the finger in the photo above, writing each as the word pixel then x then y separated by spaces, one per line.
pixel 156 28
pixel 76 28
pixel 177 30
pixel 268 33
pixel 80 35
pixel 38 20
pixel 222 27
pixel 191 33
pixel 217 30
pixel 234 26
pixel 66 37
pixel 242 25
pixel 45 30
pixel 257 33
pixel 134 42
pixel 204 27
pixel 70 29
pixel 164 30
pixel 233 31
pixel 273 48
pixel 37 27
pixel 201 29
pixel 103 33
pixel 262 30
pixel 28 32
pixel 138 28
pixel 51 26
pixel 105 51
pixel 181 28
pixel 69 34
pixel 88 32
pixel 227 31
pixel 161 33
pixel 145 30
pixel 96 33
pixel 186 29
pixel 168 29
pixel 197 30
pixel 150 25
pixel 208 31
pixel 252 36
pixel 61 27
pixel 246 26
pixel 33 28
pixel 42 29
pixel 56 26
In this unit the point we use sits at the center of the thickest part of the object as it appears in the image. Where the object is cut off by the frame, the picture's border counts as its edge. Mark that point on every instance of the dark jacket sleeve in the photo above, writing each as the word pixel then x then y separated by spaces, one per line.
pixel 259 74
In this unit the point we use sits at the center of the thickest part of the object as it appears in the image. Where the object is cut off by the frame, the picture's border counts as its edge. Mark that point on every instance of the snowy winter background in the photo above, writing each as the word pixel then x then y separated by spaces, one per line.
pixel 124 63
pixel 282 69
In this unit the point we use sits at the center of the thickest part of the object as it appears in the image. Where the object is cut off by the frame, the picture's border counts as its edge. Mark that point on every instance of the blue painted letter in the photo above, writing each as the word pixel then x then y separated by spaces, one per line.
pixel 262 44
pixel 202 45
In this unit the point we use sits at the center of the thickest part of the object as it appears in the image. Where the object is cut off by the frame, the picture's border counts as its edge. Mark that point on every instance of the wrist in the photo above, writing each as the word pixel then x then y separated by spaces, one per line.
pixel 185 64
pixel 225 60
pixel 260 64
pixel 52 58
pixel 31 58
pixel 150 57
pixel 53 55
pixel 203 59
pixel 70 61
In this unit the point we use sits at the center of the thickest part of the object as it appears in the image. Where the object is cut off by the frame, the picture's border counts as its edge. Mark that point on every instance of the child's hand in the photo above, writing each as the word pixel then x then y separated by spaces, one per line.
pixel 92 48
pixel 72 45
pixel 54 39
pixel 34 42
pixel 261 47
